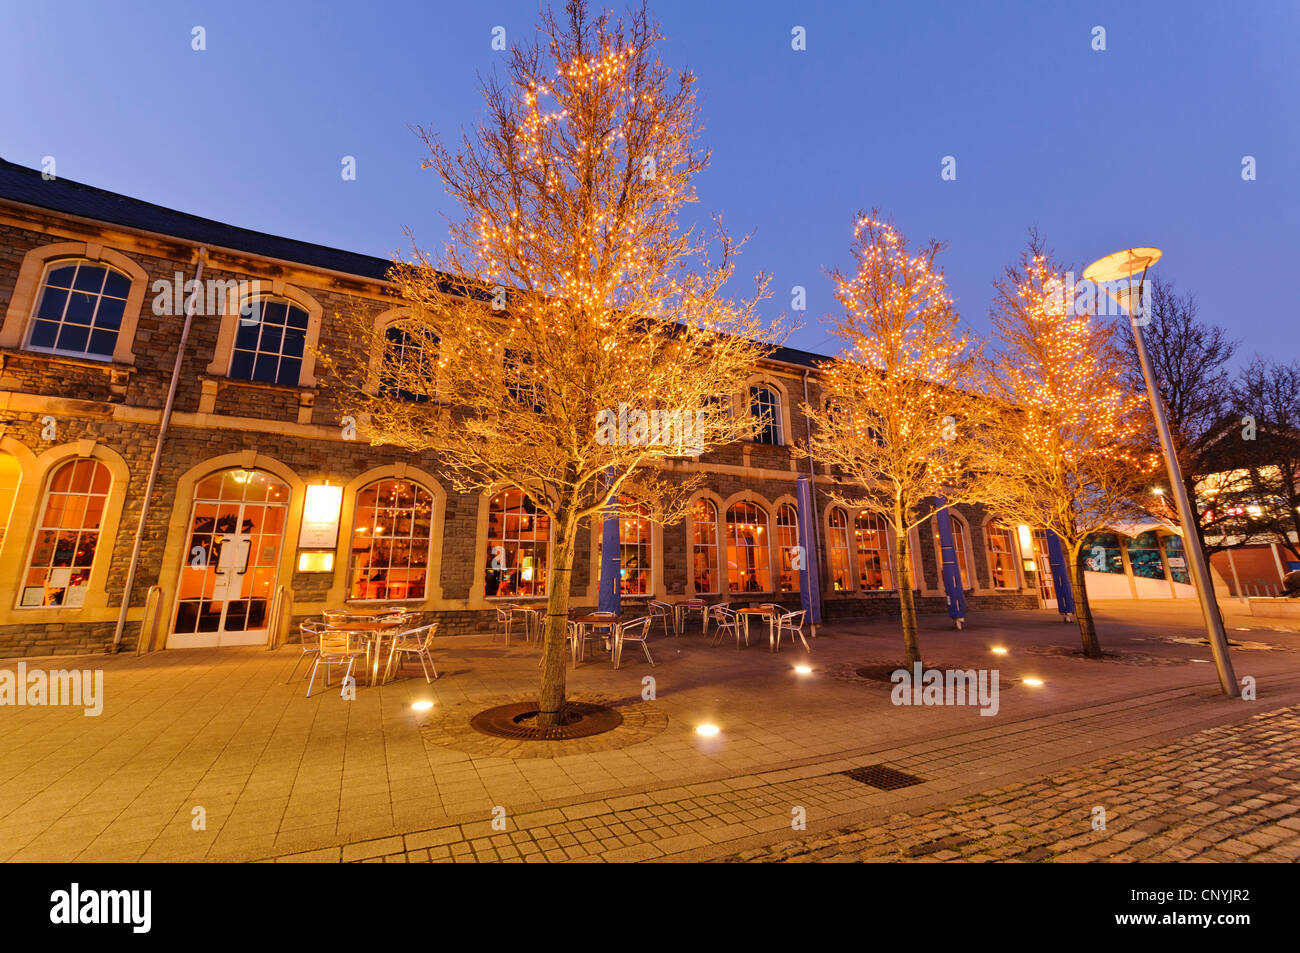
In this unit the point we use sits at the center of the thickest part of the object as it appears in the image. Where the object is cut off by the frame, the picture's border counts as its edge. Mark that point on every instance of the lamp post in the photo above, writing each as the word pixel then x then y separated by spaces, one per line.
pixel 1125 265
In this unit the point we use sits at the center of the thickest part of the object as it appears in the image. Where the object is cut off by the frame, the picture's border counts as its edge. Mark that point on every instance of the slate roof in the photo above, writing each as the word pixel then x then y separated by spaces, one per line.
pixel 21 184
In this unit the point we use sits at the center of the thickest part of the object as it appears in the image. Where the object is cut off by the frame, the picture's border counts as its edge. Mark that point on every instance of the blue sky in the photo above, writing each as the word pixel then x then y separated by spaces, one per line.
pixel 1139 144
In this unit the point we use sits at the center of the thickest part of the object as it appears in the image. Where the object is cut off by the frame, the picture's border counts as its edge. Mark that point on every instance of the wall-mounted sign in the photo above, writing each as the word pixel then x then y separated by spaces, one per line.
pixel 320 517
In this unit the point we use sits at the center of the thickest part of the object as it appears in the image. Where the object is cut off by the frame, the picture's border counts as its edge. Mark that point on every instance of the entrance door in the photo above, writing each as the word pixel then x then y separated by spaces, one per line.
pixel 1043 560
pixel 231 560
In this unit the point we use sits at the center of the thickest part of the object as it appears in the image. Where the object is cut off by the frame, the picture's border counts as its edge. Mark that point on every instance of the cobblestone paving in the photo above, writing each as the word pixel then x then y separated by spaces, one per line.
pixel 1224 794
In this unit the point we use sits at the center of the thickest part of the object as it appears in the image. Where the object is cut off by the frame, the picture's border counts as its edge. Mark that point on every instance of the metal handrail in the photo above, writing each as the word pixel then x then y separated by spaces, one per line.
pixel 149 620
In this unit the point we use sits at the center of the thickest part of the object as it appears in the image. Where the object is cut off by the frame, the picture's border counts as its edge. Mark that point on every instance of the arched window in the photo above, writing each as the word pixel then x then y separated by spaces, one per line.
pixel 1144 556
pixel 67 535
pixel 765 406
pixel 704 546
pixel 873 552
pixel 11 473
pixel 839 550
pixel 1002 556
pixel 748 565
pixel 390 541
pixel 79 309
pixel 1043 563
pixel 518 547
pixel 959 544
pixel 410 366
pixel 787 540
pixel 270 342
pixel 634 548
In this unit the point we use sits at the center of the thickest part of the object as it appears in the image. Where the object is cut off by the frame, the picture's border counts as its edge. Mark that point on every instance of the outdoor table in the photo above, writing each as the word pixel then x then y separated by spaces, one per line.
pixel 375 631
pixel 532 620
pixel 596 620
pixel 769 614
pixel 682 610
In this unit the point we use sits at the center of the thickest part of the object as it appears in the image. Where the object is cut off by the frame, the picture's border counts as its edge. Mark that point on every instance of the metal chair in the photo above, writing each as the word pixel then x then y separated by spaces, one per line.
pixel 417 642
pixel 505 618
pixel 310 633
pixel 634 631
pixel 725 620
pixel 791 622
pixel 661 610
pixel 335 648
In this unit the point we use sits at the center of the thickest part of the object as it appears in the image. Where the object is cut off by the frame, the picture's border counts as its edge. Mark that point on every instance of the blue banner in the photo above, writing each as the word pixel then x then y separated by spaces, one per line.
pixel 611 569
pixel 951 571
pixel 1060 575
pixel 810 590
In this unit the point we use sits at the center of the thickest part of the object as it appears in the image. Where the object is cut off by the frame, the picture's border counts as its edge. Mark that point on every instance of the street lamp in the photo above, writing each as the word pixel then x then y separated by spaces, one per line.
pixel 1125 265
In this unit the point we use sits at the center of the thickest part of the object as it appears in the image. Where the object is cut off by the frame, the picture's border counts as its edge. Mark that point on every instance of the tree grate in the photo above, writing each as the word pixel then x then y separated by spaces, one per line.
pixel 882 776
pixel 519 722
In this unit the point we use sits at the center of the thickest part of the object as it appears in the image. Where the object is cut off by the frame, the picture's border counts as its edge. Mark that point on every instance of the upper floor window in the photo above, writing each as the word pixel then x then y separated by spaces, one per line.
pixel 270 342
pixel 79 309
pixel 765 406
pixel 67 535
pixel 410 367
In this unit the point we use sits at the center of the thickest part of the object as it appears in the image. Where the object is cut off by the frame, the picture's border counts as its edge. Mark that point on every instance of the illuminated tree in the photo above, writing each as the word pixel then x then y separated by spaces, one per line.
pixel 898 410
pixel 568 305
pixel 1066 453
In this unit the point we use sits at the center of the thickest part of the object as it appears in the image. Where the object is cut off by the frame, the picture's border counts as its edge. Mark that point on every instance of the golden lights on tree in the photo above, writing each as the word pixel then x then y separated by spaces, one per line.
pixel 1066 453
pixel 897 409
pixel 567 288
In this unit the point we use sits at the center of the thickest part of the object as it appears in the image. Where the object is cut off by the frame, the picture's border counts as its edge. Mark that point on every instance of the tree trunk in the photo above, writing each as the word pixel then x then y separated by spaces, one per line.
pixel 551 694
pixel 906 602
pixel 1082 610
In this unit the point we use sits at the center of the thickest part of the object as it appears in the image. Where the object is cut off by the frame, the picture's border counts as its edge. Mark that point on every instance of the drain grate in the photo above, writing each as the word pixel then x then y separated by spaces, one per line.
pixel 882 776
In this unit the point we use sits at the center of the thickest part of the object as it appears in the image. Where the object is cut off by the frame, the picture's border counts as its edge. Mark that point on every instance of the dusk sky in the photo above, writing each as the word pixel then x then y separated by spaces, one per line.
pixel 1140 144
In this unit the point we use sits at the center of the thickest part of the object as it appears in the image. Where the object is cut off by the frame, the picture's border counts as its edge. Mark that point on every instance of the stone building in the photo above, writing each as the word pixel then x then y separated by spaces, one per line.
pixel 264 511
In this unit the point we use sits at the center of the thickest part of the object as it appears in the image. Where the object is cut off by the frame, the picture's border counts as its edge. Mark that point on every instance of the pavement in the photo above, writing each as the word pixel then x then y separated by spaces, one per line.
pixel 216 755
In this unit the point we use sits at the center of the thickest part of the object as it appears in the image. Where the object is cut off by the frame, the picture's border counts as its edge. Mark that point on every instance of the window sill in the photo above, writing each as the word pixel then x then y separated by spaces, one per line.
pixel 57 357
pixel 259 385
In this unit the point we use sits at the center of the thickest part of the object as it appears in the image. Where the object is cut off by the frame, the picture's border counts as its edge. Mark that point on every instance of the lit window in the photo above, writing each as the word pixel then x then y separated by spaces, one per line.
pixel 787 541
pixel 518 547
pixel 765 406
pixel 270 342
pixel 79 309
pixel 838 548
pixel 58 570
pixel 634 549
pixel 1101 553
pixel 873 552
pixel 1002 557
pixel 1144 556
pixel 748 566
pixel 962 551
pixel 1043 560
pixel 10 475
pixel 410 368
pixel 390 541
pixel 704 546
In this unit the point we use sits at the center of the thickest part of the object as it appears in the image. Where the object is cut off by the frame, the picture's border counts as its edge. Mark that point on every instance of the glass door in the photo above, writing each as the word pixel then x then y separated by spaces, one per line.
pixel 231 560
